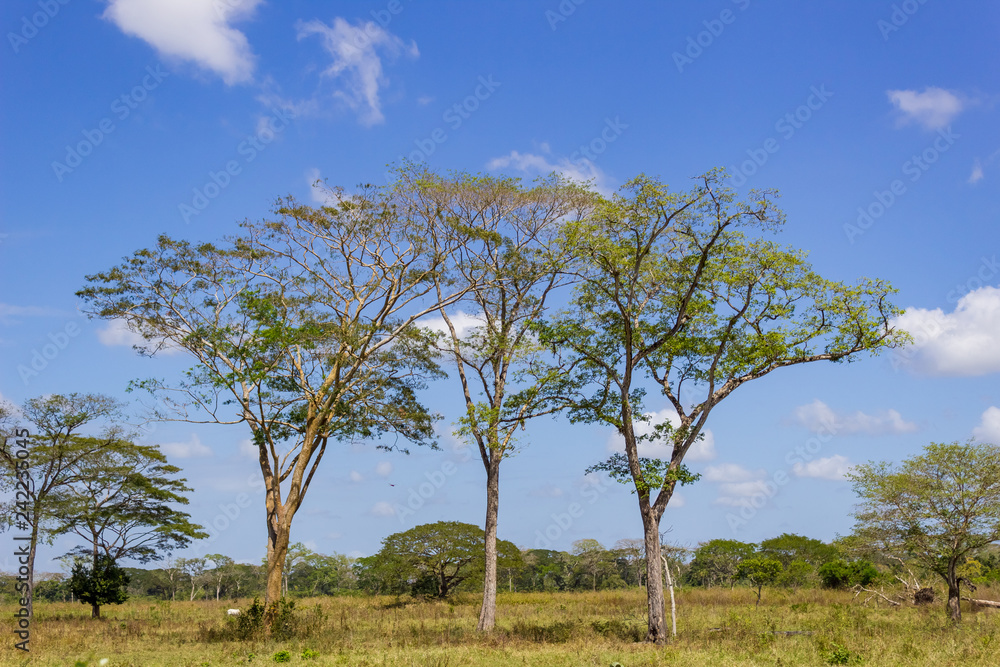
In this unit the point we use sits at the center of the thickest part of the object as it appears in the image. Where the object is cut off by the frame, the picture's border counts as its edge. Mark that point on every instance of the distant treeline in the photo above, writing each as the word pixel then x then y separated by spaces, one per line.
pixel 804 562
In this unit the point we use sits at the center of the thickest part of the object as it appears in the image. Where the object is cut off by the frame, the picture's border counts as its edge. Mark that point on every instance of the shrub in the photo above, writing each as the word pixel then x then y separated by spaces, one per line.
pixel 841 574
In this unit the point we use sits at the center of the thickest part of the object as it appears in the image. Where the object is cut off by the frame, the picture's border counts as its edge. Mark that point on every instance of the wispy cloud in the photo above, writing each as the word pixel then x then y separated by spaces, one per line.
pixel 383 468
pixel 357 52
pixel 933 108
pixel 832 467
pixel 118 334
pixel 191 449
pixel 11 314
pixel 382 508
pixel 818 416
pixel 965 342
pixel 197 31
pixel 581 170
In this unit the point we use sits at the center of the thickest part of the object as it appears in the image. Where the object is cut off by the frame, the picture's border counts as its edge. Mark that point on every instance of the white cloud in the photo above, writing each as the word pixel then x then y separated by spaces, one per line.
pixel 728 473
pixel 356 61
pixel 191 449
pixel 462 321
pixel 118 334
pixel 933 108
pixel 702 450
pixel 989 426
pixel 582 170
pixel 197 31
pixel 382 508
pixel 383 469
pixel 964 342
pixel 356 477
pixel 818 416
pixel 832 467
pixel 977 172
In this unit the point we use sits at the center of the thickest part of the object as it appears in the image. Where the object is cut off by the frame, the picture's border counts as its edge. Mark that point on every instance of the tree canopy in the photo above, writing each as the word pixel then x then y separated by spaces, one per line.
pixel 935 508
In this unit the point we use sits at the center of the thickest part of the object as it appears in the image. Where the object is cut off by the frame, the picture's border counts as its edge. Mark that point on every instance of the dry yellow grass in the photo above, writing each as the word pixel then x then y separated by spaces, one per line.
pixel 717 628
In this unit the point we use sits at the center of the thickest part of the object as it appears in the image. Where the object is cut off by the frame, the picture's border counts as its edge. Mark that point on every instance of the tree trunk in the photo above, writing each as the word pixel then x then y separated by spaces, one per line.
pixel 656 603
pixel 277 549
pixel 954 606
pixel 488 612
pixel 95 610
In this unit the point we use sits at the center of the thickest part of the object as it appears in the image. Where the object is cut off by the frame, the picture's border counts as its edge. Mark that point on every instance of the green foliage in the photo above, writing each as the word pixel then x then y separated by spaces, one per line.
pixel 716 561
pixel 282 656
pixel 935 509
pixel 789 547
pixel 100 582
pixel 655 472
pixel 431 559
pixel 840 655
pixel 843 574
pixel 759 571
pixel 309 654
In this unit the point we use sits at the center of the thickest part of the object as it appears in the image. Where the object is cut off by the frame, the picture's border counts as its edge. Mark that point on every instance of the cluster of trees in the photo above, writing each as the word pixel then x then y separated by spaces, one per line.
pixel 309 327
pixel 78 471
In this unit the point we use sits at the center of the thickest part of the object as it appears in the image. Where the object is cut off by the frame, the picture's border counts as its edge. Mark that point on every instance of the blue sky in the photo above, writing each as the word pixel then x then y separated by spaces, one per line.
pixel 877 121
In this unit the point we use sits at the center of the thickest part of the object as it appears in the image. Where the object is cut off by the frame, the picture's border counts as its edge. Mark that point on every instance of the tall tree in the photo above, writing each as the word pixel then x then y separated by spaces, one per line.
pixel 676 294
pixel 936 509
pixel 302 327
pixel 123 507
pixel 55 455
pixel 511 274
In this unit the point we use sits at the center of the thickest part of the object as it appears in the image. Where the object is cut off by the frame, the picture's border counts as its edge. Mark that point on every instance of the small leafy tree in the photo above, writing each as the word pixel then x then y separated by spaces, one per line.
pixel 935 508
pixel 99 583
pixel 759 571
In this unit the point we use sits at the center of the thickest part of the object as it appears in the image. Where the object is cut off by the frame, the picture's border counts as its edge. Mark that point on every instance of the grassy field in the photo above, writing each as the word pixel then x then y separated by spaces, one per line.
pixel 716 627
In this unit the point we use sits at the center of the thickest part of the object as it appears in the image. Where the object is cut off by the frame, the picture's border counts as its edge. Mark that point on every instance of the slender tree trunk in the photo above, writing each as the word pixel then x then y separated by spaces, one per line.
pixel 673 603
pixel 488 612
pixel 95 610
pixel 31 565
pixel 657 633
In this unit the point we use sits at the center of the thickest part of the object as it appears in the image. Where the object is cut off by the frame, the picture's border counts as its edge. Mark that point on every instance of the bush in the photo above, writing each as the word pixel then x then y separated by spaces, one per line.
pixel 841 574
